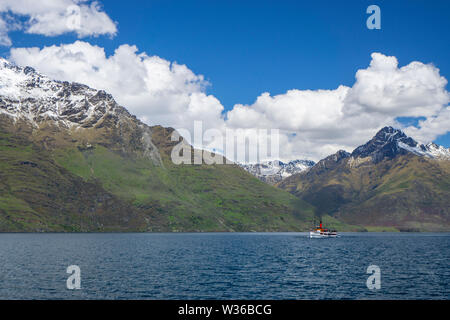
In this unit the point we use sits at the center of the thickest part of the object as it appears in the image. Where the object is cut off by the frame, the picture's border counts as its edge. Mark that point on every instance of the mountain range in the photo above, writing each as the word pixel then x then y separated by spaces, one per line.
pixel 72 159
pixel 390 183
pixel 274 171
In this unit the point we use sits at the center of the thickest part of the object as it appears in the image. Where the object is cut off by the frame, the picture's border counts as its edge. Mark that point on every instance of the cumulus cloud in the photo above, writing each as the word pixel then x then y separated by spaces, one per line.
pixel 55 17
pixel 156 90
pixel 414 90
pixel 4 38
pixel 312 123
pixel 319 122
pixel 432 127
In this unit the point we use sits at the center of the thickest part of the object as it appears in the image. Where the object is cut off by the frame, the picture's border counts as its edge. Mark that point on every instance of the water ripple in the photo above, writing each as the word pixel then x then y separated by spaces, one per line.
pixel 224 266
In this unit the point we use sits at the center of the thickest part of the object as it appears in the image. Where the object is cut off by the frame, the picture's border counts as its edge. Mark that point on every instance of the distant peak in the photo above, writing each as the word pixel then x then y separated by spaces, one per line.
pixel 390 133
pixel 274 171
pixel 336 157
pixel 342 153
pixel 389 129
pixel 390 142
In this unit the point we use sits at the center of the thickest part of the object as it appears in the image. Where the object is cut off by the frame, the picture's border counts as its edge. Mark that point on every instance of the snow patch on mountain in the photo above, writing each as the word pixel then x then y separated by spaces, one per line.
pixel 275 171
pixel 430 150
pixel 26 94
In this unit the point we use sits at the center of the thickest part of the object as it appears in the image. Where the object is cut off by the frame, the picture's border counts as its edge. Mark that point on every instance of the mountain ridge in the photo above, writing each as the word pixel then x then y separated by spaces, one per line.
pixel 391 181
pixel 72 159
pixel 390 142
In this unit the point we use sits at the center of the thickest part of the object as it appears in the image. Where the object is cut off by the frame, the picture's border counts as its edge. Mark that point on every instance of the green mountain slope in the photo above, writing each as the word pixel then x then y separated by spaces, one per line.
pixel 53 179
pixel 36 194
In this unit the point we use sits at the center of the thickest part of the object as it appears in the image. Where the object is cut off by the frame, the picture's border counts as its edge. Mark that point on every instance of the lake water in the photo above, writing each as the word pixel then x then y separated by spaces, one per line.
pixel 224 266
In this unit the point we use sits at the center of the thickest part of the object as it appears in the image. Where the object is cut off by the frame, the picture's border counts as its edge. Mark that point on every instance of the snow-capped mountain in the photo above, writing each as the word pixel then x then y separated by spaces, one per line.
pixel 29 97
pixel 390 142
pixel 26 94
pixel 275 171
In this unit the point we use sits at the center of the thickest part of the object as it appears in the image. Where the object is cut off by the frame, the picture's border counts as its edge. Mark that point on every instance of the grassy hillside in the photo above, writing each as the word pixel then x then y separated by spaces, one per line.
pixel 190 197
pixel 51 180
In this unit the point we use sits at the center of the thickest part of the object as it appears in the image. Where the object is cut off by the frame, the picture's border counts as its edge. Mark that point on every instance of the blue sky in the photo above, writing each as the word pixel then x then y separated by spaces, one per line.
pixel 245 48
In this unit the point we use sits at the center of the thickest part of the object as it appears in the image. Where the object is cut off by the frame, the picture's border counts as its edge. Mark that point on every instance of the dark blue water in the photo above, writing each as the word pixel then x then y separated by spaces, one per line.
pixel 224 266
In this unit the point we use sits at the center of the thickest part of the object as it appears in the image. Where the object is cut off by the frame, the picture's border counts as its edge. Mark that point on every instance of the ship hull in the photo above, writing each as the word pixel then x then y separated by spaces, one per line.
pixel 318 235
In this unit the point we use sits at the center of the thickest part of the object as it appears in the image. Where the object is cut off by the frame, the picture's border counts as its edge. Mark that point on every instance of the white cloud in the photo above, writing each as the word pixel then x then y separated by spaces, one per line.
pixel 4 38
pixel 154 89
pixel 312 123
pixel 414 90
pixel 55 17
pixel 431 127
pixel 295 110
pixel 325 120
pixel 7 23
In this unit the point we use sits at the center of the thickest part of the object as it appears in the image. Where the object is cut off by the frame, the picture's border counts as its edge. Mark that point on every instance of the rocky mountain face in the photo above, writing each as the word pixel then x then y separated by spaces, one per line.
pixel 274 171
pixel 331 161
pixel 389 143
pixel 389 182
pixel 72 159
